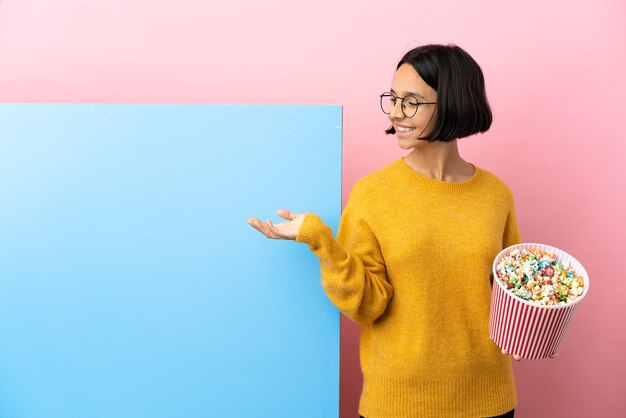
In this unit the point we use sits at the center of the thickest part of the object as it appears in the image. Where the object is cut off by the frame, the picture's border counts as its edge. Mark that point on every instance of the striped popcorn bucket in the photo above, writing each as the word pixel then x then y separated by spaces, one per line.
pixel 525 328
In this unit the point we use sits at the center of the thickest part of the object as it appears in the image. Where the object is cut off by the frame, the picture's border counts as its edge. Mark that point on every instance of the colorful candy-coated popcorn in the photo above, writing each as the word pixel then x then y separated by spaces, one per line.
pixel 537 276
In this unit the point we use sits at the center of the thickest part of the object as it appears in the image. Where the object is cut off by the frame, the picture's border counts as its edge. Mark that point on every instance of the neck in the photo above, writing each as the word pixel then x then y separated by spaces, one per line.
pixel 439 161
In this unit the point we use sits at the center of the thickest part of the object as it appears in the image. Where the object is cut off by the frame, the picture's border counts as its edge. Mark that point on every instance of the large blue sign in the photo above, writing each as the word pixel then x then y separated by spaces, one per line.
pixel 131 284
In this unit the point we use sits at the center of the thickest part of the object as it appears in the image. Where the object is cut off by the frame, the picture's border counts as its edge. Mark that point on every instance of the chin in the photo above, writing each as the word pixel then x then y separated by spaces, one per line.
pixel 410 143
pixel 404 144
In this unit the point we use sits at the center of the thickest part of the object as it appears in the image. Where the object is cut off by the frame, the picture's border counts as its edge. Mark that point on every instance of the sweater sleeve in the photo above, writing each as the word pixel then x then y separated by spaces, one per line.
pixel 511 231
pixel 352 268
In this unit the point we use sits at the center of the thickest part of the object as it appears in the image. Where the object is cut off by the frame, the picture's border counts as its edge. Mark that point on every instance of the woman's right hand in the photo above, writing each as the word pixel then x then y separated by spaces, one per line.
pixel 283 230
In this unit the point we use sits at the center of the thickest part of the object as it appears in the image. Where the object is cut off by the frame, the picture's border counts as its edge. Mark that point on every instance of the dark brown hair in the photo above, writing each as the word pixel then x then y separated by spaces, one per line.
pixel 462 106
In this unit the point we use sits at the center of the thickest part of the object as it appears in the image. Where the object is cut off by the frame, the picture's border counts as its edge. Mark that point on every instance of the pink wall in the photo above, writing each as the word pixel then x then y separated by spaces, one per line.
pixel 555 78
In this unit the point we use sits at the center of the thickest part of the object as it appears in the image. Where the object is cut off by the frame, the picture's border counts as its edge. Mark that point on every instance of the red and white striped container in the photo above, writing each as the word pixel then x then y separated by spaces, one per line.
pixel 525 328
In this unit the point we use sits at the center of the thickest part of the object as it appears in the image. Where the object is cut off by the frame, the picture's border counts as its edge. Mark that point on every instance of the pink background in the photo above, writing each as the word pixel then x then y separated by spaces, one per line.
pixel 555 78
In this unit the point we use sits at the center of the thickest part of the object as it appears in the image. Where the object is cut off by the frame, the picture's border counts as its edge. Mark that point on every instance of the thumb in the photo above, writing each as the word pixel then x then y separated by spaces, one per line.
pixel 284 213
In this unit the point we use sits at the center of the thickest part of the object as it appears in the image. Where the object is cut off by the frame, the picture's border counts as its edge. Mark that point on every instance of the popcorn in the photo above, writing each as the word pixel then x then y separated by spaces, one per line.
pixel 537 276
pixel 533 298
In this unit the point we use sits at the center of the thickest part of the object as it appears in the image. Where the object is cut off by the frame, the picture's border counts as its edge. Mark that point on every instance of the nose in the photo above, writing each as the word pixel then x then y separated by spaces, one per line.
pixel 396 111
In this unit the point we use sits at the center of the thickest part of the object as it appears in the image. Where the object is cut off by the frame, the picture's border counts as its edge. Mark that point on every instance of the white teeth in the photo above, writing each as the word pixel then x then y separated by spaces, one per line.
pixel 402 129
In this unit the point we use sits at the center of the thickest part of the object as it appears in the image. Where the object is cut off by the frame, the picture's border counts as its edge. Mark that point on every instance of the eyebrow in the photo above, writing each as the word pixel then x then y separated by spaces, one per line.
pixel 411 93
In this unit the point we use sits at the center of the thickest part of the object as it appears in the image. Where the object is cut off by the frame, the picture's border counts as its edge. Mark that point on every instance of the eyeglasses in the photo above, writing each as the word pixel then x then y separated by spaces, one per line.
pixel 410 103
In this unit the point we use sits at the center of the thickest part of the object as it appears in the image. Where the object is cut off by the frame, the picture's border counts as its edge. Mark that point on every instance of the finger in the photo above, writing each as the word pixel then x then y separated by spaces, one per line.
pixel 261 227
pixel 284 213
pixel 274 232
pixel 554 355
pixel 269 227
pixel 515 356
pixel 256 224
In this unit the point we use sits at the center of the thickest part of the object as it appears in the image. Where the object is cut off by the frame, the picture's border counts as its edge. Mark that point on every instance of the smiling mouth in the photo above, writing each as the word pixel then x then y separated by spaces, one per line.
pixel 403 129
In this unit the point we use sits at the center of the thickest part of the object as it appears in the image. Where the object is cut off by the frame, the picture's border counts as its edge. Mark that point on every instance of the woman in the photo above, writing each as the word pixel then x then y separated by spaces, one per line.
pixel 412 259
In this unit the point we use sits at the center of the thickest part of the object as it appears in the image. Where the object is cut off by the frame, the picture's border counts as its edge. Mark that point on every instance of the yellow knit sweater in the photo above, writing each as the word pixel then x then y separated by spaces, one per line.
pixel 411 264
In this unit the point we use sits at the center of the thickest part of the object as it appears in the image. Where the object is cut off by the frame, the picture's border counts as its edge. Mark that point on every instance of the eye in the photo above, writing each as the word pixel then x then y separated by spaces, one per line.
pixel 411 101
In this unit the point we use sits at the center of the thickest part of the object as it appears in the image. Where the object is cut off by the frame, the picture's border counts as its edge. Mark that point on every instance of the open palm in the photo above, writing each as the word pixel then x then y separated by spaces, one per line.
pixel 283 230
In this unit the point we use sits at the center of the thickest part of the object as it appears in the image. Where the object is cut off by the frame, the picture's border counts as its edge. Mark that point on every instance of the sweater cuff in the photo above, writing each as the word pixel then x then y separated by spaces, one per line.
pixel 313 231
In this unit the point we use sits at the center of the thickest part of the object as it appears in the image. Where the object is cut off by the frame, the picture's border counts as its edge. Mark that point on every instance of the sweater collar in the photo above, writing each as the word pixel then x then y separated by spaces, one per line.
pixel 434 184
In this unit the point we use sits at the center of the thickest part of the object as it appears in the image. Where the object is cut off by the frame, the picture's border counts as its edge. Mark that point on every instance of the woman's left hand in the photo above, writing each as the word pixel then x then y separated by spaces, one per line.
pixel 518 358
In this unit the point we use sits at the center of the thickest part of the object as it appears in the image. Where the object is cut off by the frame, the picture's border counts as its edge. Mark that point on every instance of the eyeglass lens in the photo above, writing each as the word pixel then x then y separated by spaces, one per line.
pixel 409 104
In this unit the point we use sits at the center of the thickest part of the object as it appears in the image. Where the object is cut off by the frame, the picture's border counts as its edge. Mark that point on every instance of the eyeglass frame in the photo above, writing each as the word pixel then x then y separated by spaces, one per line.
pixel 388 94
